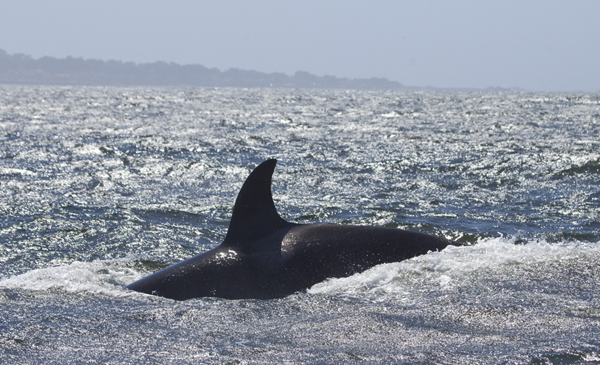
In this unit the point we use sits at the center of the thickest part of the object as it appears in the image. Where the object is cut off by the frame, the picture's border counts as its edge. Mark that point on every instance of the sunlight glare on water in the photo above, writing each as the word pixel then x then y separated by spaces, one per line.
pixel 100 186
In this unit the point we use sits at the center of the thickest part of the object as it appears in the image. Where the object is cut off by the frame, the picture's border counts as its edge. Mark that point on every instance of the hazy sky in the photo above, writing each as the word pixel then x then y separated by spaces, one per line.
pixel 544 45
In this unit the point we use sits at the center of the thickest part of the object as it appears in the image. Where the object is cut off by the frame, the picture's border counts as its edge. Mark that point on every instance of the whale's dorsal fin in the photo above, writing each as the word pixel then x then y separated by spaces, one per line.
pixel 254 214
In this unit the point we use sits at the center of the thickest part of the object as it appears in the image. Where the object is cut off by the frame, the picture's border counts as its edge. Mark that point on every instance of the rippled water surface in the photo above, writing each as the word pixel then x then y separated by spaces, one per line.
pixel 101 186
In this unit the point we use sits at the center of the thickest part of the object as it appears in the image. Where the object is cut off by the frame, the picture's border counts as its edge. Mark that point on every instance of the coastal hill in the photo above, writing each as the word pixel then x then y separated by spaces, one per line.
pixel 23 69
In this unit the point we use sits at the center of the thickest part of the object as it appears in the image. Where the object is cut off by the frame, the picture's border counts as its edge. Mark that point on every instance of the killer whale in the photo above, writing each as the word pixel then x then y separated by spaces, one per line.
pixel 265 257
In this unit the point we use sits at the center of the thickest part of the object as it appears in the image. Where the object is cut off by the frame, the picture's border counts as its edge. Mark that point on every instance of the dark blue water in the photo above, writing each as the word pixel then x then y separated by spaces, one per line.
pixel 101 186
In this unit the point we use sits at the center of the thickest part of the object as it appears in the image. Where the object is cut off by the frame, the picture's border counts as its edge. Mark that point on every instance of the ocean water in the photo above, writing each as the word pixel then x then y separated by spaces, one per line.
pixel 100 186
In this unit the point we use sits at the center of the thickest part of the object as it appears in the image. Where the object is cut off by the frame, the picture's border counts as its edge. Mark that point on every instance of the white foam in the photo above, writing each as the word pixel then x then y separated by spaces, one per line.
pixel 100 277
pixel 88 150
pixel 437 268
pixel 440 268
pixel 11 171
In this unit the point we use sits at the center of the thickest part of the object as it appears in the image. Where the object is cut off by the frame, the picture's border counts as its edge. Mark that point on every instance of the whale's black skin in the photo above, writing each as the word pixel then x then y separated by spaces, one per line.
pixel 265 257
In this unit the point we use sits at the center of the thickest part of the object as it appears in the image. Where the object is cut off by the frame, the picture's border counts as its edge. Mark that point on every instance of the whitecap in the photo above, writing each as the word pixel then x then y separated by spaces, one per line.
pixel 440 269
pixel 106 277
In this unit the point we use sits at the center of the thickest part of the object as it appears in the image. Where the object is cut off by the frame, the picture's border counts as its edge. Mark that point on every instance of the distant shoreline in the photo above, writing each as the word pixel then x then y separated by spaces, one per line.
pixel 24 69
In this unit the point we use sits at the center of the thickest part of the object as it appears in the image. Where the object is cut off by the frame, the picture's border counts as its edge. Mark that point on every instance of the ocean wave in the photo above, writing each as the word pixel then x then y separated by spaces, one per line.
pixel 435 270
pixel 440 270
pixel 106 277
